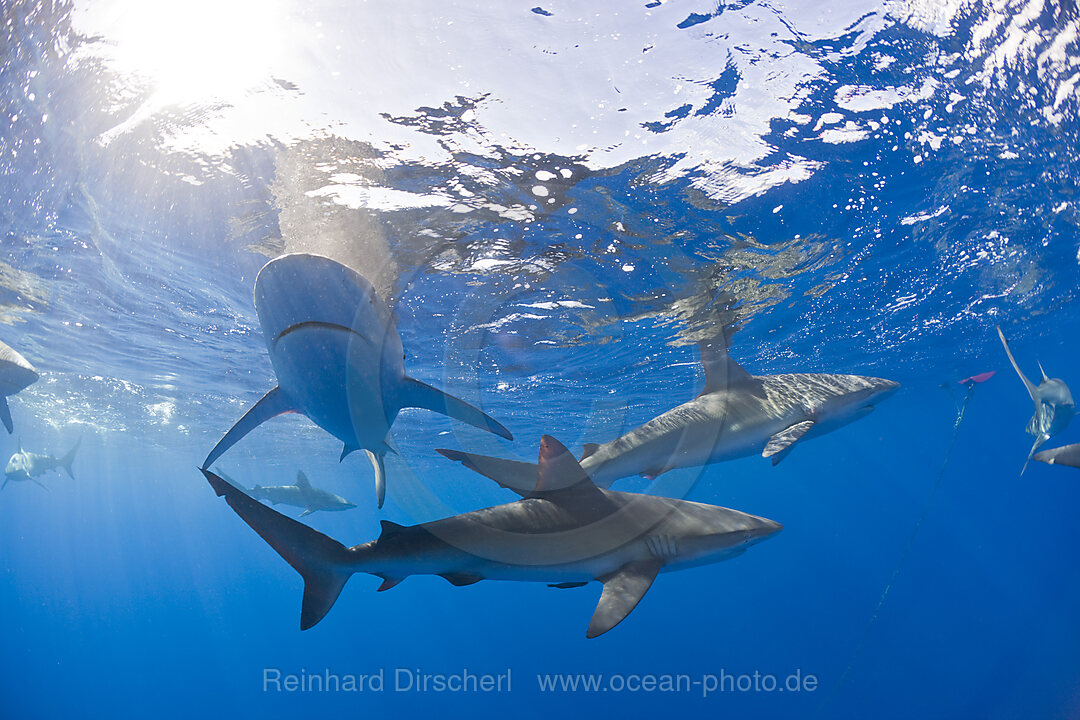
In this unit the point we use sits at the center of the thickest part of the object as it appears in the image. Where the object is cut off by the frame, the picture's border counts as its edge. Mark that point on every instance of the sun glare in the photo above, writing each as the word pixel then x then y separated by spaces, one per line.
pixel 194 50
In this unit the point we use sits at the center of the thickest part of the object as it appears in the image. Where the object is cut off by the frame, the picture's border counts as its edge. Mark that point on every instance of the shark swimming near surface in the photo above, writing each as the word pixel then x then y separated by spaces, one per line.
pixel 302 495
pixel 566 532
pixel 736 415
pixel 27 466
pixel 1054 406
pixel 1064 455
pixel 339 360
pixel 15 374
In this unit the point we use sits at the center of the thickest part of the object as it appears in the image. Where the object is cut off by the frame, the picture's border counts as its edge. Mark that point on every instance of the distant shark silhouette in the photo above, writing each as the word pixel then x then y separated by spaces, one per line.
pixel 736 415
pixel 1054 406
pixel 15 375
pixel 27 466
pixel 339 360
pixel 302 495
pixel 566 536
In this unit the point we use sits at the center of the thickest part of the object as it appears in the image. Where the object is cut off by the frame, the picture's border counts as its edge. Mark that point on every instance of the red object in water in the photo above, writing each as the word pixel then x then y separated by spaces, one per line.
pixel 980 378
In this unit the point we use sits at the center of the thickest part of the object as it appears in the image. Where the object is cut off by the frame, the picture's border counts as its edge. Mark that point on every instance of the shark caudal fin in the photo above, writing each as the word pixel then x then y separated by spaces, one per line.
pixel 272 404
pixel 413 393
pixel 511 474
pixel 65 462
pixel 322 561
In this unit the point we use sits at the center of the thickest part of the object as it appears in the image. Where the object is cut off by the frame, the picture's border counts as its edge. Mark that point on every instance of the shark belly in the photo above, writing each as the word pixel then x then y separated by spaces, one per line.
pixel 345 398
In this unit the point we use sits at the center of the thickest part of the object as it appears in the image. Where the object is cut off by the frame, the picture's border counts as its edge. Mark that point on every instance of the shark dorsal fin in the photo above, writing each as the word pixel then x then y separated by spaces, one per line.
pixel 589 449
pixel 390 529
pixel 556 468
pixel 301 480
pixel 721 372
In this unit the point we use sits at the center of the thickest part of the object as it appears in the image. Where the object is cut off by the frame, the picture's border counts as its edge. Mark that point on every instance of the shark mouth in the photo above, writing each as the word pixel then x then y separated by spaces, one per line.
pixel 317 324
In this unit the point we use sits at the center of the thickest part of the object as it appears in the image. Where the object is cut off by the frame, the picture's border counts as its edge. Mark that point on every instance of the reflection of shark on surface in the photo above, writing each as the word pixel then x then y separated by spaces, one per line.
pixel 339 360
pixel 568 535
pixel 1054 406
pixel 15 375
pixel 736 415
pixel 302 495
pixel 25 466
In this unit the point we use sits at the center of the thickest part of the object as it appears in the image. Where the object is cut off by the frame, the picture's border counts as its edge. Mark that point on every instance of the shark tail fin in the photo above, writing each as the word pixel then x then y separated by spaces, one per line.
pixel 322 561
pixel 414 393
pixel 511 474
pixel 5 415
pixel 272 404
pixel 65 462
pixel 1032 390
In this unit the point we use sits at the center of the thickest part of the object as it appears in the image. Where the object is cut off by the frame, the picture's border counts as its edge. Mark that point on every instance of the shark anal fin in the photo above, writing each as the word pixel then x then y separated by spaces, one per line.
pixel 272 404
pixel 784 439
pixel 460 579
pixel 388 582
pixel 5 415
pixel 623 590
pixel 320 560
pixel 567 585
pixel 413 393
pixel 380 476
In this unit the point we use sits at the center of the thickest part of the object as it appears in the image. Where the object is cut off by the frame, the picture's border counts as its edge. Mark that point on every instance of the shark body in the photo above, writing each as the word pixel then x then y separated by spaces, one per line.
pixel 736 415
pixel 1054 405
pixel 26 466
pixel 568 535
pixel 15 374
pixel 339 360
pixel 302 495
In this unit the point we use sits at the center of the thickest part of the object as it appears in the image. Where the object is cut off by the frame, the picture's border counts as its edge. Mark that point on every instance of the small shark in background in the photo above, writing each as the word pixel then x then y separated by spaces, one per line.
pixel 565 532
pixel 15 375
pixel 25 466
pixel 338 357
pixel 301 495
pixel 1054 406
pixel 736 415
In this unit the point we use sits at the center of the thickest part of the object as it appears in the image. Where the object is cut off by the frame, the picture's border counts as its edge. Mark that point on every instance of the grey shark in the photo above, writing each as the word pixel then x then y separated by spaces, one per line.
pixel 1054 406
pixel 302 495
pixel 736 415
pixel 1064 455
pixel 27 466
pixel 339 360
pixel 566 536
pixel 15 374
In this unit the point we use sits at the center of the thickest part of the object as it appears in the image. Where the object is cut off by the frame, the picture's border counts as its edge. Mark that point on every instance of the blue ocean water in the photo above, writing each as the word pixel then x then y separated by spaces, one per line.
pixel 557 202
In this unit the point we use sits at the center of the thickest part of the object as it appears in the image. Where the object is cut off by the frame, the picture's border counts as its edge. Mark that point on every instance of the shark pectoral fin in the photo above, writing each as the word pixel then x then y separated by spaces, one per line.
pixel 5 415
pixel 510 474
pixel 322 561
pixel 413 393
pixel 305 513
pixel 1032 390
pixel 623 589
pixel 388 582
pixel 380 476
pixel 6 481
pixel 1039 440
pixel 782 441
pixel 41 484
pixel 272 404
pixel 460 579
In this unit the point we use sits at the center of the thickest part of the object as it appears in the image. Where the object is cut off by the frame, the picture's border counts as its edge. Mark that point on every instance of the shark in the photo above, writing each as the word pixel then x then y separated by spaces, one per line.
pixel 736 415
pixel 27 466
pixel 16 374
pixel 302 495
pixel 1064 455
pixel 339 360
pixel 1054 406
pixel 566 531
